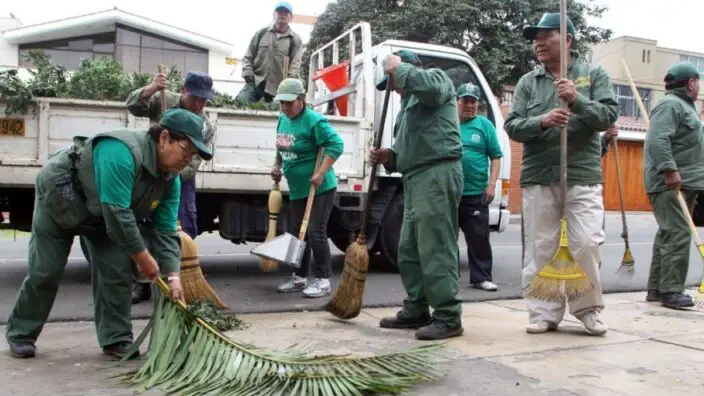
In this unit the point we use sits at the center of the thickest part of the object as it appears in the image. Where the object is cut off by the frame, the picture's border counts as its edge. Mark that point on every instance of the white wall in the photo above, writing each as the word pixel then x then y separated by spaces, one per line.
pixel 8 52
pixel 226 78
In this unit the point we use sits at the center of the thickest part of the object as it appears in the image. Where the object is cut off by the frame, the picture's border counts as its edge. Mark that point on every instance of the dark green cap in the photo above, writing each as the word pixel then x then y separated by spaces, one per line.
pixel 184 122
pixel 549 21
pixel 681 72
pixel 406 57
pixel 469 90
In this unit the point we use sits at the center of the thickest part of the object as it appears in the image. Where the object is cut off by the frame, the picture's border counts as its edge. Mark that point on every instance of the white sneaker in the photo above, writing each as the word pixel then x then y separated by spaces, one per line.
pixel 593 324
pixel 318 287
pixel 486 285
pixel 541 327
pixel 293 284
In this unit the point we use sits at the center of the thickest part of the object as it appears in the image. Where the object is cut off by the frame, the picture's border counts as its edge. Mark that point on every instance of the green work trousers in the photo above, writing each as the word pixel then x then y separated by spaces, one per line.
pixel 111 272
pixel 670 260
pixel 427 251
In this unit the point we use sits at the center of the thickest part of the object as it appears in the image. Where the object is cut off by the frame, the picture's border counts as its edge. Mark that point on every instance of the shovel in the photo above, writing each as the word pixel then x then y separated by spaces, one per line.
pixel 286 248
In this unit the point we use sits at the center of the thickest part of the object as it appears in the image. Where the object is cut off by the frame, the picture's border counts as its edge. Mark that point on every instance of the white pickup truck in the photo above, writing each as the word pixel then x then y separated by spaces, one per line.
pixel 233 188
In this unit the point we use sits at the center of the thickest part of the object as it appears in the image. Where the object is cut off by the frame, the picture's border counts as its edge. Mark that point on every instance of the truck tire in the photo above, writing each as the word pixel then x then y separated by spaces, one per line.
pixel 390 233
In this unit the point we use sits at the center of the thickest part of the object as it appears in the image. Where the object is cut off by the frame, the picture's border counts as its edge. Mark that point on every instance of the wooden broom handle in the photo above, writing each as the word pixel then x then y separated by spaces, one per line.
pixel 563 103
pixel 372 177
pixel 311 196
pixel 164 105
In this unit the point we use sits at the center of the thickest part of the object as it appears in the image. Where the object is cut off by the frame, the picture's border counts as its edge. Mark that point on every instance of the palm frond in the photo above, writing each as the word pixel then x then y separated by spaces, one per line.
pixel 188 356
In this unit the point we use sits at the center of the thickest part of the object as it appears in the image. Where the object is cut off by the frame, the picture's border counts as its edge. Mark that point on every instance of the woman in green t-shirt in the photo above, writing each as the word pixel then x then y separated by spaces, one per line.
pixel 301 131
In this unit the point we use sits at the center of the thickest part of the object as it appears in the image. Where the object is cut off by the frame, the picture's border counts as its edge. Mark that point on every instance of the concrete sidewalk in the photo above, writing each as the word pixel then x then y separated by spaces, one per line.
pixel 648 350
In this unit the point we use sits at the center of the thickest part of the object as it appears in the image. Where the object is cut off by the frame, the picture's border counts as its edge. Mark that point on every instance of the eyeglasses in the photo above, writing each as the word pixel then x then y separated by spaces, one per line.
pixel 188 150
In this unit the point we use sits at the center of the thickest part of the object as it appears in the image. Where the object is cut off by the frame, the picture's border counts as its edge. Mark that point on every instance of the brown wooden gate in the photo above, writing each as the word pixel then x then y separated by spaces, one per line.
pixel 631 157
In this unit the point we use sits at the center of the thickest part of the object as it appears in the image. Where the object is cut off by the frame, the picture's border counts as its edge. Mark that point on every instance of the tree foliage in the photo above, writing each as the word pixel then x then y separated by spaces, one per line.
pixel 489 30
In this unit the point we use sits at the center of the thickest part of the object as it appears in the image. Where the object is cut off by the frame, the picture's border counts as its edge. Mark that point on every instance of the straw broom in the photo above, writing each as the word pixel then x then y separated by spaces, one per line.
pixel 562 277
pixel 275 203
pixel 188 356
pixel 195 287
pixel 346 303
pixel 627 268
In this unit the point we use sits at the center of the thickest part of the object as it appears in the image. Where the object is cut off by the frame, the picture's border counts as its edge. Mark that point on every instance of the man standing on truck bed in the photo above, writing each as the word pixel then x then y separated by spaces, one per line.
pixel 263 65
pixel 480 147
pixel 428 152
pixel 673 163
pixel 146 102
pixel 536 120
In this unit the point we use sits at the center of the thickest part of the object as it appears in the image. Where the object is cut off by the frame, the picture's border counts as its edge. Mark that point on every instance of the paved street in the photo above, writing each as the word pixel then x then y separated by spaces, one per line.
pixel 235 274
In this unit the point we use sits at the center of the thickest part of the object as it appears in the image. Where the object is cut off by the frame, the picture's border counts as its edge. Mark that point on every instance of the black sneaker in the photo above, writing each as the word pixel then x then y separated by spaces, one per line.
pixel 22 350
pixel 400 322
pixel 677 300
pixel 141 292
pixel 120 349
pixel 438 331
pixel 653 295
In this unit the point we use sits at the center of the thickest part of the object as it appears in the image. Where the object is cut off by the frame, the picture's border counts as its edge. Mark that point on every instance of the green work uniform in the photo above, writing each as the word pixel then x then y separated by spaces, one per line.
pixel 479 141
pixel 100 189
pixel 536 96
pixel 427 151
pixel 674 141
pixel 297 141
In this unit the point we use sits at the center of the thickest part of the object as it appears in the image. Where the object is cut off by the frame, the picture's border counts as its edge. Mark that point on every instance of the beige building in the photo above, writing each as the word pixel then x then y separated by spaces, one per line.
pixel 648 64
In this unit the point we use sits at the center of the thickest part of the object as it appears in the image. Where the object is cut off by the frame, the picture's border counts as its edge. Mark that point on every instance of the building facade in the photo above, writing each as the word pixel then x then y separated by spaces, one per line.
pixel 647 64
pixel 137 43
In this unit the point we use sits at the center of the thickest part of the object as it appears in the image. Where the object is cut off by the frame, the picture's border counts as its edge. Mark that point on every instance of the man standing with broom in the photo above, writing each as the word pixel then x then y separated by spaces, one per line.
pixel 673 162
pixel 428 152
pixel 147 102
pixel 535 120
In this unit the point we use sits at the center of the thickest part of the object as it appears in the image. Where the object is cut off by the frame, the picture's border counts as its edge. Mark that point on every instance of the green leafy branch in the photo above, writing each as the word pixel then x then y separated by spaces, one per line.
pixel 95 79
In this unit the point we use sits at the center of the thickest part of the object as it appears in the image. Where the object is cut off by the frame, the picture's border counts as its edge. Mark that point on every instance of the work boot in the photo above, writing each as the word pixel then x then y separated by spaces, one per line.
pixel 438 330
pixel 541 327
pixel 653 295
pixel 401 321
pixel 120 349
pixel 676 300
pixel 141 292
pixel 22 350
pixel 592 324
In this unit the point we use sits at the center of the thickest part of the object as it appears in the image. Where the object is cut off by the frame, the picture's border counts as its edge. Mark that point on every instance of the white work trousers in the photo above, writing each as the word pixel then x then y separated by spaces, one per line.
pixel 542 210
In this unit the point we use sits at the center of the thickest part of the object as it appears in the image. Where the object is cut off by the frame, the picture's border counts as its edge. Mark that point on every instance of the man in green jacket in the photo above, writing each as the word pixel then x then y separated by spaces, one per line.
pixel 536 120
pixel 427 151
pixel 481 162
pixel 673 163
pixel 105 189
pixel 146 102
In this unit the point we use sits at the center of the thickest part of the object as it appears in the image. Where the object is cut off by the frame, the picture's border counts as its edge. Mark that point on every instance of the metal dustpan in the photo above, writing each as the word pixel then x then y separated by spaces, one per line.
pixel 285 249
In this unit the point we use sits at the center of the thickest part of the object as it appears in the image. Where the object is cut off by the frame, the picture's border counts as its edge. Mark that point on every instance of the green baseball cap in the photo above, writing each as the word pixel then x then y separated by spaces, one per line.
pixel 681 72
pixel 549 21
pixel 469 90
pixel 406 56
pixel 289 90
pixel 191 125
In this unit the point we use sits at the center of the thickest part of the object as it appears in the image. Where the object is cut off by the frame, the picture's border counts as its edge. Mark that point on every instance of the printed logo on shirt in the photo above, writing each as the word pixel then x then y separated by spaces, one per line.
pixel 476 138
pixel 155 204
pixel 582 82
pixel 284 142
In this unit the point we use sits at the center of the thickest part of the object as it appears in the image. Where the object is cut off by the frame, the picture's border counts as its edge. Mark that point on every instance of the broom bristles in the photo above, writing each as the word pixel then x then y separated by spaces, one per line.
pixel 562 278
pixel 627 268
pixel 346 303
pixel 195 287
